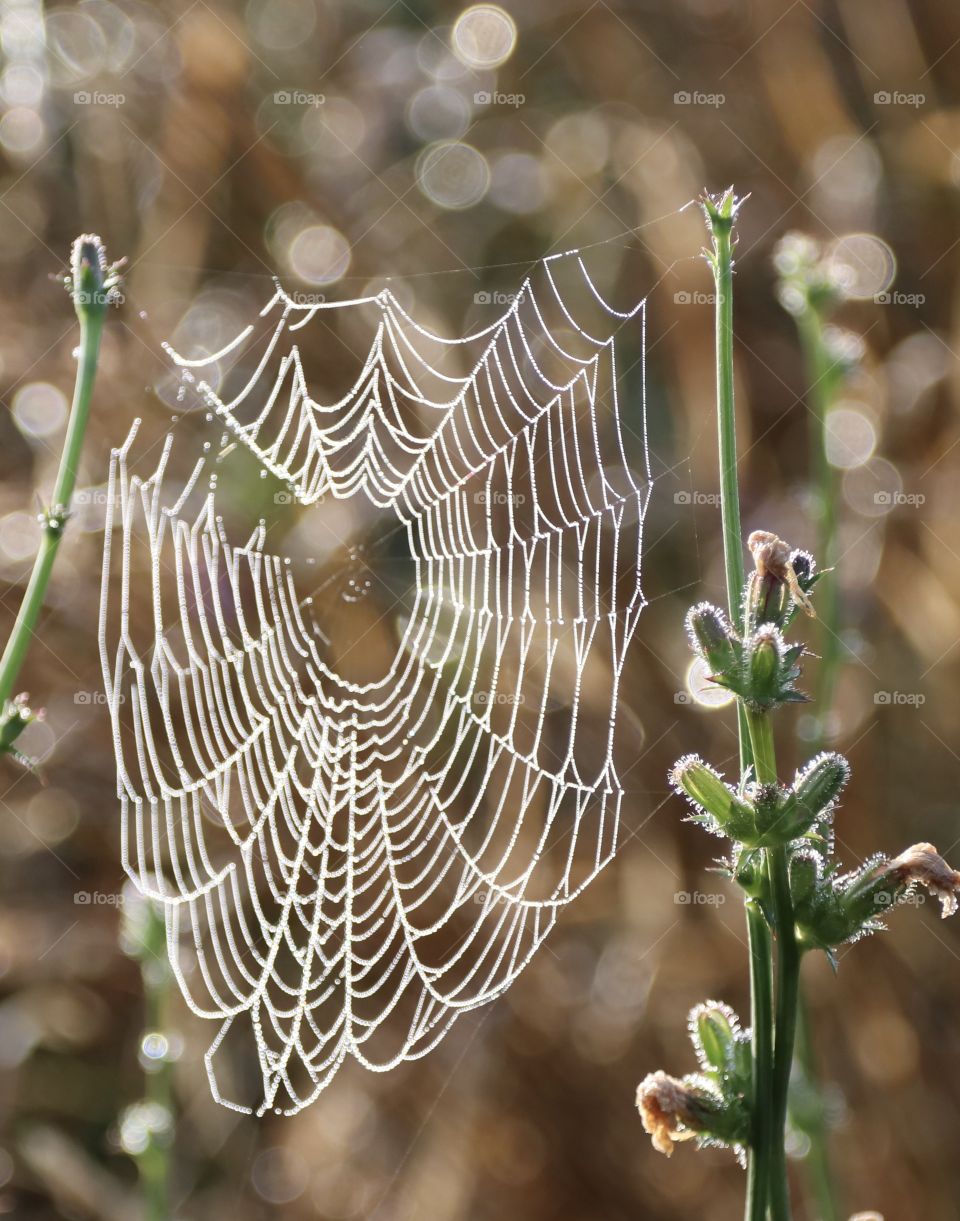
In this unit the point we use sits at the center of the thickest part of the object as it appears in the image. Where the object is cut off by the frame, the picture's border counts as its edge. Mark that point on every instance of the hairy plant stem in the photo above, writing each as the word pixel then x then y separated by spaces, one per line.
pixel 15 652
pixel 720 219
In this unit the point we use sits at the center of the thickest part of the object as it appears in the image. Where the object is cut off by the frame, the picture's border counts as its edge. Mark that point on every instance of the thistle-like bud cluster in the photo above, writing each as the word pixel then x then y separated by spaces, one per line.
pixel 832 907
pixel 711 1106
pixel 761 816
pixel 762 669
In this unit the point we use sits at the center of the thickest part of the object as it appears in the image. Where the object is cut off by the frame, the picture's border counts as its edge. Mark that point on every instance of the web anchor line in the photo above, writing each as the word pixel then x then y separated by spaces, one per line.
pixel 347 865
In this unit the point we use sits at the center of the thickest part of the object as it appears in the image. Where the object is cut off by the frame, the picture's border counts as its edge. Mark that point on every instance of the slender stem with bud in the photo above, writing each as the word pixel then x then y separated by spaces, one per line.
pixel 780 836
pixel 91 285
pixel 720 214
pixel 811 286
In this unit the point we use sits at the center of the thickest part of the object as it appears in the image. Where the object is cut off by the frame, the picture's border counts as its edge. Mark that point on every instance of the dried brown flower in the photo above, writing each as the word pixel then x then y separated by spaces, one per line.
pixel 771 555
pixel 923 864
pixel 669 1110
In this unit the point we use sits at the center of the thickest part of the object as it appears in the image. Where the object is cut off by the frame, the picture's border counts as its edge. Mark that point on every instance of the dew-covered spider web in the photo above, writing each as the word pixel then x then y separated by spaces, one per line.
pixel 349 858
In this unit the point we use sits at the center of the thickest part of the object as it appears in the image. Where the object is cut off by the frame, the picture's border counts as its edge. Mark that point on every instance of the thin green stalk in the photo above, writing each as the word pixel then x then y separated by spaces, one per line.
pixel 820 372
pixel 147 1127
pixel 20 638
pixel 720 214
pixel 788 991
pixel 817 1170
pixel 788 975
pixel 154 1161
pixel 761 1018
pixel 92 286
pixel 821 381
pixel 726 414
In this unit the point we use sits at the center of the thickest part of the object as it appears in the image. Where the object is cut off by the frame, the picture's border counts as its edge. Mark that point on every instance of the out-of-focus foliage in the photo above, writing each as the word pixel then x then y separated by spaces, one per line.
pixel 216 144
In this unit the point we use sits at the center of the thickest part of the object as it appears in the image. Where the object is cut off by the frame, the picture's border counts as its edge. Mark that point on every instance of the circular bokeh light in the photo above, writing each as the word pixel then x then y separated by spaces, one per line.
pixel 438 113
pixel 453 175
pixel 39 409
pixel 864 263
pixel 319 254
pixel 518 184
pixel 483 36
pixel 850 437
pixel 874 489
pixel 702 690
pixel 21 131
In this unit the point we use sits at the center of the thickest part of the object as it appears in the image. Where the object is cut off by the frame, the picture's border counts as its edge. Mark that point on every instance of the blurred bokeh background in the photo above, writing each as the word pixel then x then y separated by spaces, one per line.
pixel 216 144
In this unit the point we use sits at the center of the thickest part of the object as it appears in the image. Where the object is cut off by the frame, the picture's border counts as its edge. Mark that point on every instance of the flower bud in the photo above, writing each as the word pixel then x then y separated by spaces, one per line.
pixel 764 666
pixel 719 807
pixel 771 670
pixel 806 872
pixel 819 784
pixel 844 908
pixel 784 815
pixel 712 638
pixel 805 568
pixel 715 1030
pixel 93 284
pixel 749 872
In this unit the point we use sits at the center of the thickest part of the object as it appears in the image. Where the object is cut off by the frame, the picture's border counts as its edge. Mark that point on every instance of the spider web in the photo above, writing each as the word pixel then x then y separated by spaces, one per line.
pixel 346 865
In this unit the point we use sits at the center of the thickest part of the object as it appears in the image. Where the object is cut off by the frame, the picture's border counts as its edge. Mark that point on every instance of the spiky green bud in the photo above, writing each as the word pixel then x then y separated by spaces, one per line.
pixel 771 670
pixel 713 639
pixel 718 807
pixel 93 284
pixel 714 1031
pixel 819 784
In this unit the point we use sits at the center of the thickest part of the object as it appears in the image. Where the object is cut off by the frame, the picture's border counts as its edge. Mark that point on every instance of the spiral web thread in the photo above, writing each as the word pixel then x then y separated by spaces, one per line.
pixel 346 867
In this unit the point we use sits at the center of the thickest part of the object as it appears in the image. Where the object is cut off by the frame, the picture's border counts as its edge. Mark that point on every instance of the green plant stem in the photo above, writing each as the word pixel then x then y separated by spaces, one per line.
pixel 726 421
pixel 761 1018
pixel 820 399
pixel 818 1173
pixel 820 374
pixel 788 990
pixel 15 652
pixel 154 1161
pixel 788 975
pixel 758 934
